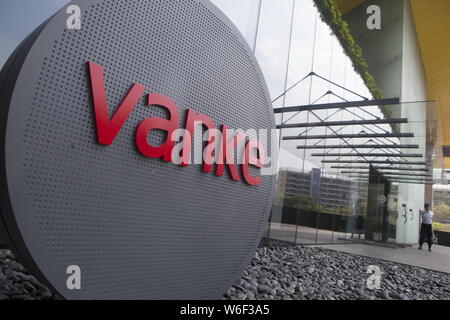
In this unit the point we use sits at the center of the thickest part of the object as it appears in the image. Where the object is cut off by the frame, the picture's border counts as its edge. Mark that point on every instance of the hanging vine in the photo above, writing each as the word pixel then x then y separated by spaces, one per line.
pixel 331 15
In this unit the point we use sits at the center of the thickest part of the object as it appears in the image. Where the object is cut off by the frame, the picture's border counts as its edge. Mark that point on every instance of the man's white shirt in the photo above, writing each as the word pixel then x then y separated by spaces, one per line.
pixel 426 216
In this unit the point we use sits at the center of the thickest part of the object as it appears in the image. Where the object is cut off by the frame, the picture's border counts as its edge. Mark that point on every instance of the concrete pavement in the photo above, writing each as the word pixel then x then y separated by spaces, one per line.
pixel 437 260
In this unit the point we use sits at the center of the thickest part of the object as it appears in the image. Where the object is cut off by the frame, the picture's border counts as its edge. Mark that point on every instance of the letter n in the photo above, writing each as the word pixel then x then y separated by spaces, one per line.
pixel 170 125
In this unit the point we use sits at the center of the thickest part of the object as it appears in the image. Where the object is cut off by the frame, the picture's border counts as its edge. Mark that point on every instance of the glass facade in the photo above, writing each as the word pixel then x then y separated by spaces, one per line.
pixel 327 191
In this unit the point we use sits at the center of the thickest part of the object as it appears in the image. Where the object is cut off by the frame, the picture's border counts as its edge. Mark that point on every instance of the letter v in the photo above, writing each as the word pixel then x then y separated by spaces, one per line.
pixel 107 129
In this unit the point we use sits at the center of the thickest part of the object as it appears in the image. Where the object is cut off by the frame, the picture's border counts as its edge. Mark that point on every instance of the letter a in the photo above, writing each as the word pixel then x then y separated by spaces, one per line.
pixel 74 280
pixel 374 21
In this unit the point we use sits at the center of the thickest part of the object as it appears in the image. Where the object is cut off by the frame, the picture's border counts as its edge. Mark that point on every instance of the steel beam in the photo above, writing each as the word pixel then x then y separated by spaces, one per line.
pixel 361 146
pixel 418 163
pixel 351 136
pixel 405 182
pixel 341 123
pixel 396 155
pixel 338 105
pixel 363 173
pixel 381 168
pixel 397 178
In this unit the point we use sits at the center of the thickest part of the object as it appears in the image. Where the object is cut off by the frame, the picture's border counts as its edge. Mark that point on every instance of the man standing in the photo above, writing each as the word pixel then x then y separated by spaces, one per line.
pixel 426 216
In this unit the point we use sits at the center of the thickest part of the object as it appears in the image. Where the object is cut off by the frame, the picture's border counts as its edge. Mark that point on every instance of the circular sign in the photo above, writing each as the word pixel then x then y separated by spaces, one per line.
pixel 91 204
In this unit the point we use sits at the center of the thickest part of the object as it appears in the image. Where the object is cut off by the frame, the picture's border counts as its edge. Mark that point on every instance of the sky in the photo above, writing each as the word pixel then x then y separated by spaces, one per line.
pixel 18 18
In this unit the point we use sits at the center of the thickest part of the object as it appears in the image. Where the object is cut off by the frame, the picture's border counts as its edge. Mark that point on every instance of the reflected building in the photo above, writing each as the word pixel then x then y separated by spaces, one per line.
pixel 441 196
pixel 331 193
pixel 377 164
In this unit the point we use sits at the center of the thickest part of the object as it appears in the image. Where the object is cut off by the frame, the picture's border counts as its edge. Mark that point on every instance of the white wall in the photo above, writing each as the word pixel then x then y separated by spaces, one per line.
pixel 413 89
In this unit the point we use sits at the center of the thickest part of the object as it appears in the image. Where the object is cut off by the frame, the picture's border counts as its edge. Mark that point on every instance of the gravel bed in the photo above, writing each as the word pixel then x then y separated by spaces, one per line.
pixel 314 273
pixel 17 284
pixel 284 273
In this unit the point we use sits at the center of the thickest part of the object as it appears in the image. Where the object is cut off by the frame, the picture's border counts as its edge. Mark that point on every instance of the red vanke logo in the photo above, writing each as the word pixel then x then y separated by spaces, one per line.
pixel 108 128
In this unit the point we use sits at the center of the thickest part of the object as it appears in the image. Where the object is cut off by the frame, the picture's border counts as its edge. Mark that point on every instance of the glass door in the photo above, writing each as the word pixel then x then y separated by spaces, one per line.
pixel 377 221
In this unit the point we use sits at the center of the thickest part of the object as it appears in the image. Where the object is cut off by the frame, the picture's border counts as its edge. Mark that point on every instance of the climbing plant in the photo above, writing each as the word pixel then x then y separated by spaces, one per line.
pixel 331 15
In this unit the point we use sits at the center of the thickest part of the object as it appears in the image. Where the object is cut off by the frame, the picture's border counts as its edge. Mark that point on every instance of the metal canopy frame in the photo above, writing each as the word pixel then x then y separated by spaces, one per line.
pixel 313 74
pixel 379 136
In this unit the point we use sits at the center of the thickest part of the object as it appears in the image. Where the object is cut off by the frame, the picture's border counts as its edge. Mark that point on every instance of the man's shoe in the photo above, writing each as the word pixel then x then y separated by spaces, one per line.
pixel 429 249
pixel 420 248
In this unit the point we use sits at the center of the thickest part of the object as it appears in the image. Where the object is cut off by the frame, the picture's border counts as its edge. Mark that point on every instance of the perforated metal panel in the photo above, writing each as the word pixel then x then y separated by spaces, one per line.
pixel 139 228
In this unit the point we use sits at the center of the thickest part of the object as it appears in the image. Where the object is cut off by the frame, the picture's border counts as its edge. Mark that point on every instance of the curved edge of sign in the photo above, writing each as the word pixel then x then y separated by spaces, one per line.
pixel 8 224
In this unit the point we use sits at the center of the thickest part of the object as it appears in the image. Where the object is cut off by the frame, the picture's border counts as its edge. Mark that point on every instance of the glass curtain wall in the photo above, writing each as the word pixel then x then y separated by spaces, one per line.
pixel 318 200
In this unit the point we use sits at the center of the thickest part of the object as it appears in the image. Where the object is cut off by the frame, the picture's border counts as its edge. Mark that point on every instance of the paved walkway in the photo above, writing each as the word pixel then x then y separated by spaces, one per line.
pixel 438 259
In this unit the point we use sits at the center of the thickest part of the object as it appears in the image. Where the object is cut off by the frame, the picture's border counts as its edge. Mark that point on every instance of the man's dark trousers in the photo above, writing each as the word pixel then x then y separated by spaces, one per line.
pixel 426 233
